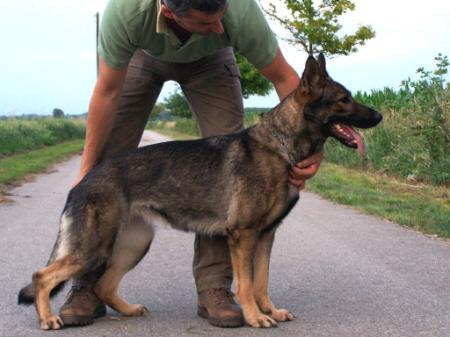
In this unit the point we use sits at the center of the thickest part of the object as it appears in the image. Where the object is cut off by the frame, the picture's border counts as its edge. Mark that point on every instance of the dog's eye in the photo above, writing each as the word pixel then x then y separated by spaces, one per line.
pixel 345 100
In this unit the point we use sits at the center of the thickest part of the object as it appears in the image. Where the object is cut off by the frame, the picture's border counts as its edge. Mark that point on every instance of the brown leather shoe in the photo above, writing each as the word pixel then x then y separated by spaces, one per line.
pixel 81 306
pixel 219 308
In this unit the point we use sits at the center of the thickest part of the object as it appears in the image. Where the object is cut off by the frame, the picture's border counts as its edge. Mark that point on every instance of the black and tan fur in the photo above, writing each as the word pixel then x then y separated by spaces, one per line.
pixel 234 185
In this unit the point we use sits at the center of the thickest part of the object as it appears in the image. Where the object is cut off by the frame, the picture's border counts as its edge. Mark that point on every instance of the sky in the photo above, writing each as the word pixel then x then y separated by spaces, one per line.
pixel 47 55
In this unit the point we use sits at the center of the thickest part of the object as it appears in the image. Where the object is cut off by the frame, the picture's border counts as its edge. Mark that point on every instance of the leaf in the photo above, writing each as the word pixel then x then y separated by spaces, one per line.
pixel 315 27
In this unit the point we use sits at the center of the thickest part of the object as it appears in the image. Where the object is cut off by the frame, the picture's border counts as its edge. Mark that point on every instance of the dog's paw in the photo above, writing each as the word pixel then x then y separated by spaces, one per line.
pixel 139 310
pixel 51 323
pixel 261 321
pixel 282 315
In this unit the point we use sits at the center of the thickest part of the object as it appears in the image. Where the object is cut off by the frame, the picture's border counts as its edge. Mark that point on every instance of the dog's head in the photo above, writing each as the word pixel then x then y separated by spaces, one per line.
pixel 332 106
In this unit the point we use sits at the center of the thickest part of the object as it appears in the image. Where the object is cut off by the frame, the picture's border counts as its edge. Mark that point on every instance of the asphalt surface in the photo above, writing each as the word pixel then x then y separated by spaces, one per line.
pixel 340 272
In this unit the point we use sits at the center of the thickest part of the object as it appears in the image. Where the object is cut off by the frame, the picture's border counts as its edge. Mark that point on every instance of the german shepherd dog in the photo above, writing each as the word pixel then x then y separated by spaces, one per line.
pixel 178 182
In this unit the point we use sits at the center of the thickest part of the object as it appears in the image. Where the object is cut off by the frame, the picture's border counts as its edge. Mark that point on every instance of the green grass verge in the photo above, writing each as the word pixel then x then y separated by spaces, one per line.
pixel 16 167
pixel 422 207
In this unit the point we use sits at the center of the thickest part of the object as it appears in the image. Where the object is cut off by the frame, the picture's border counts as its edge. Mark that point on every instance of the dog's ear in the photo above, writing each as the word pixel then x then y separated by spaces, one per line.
pixel 322 65
pixel 312 77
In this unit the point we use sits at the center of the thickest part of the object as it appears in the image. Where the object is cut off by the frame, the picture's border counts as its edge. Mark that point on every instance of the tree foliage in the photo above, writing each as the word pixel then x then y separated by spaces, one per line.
pixel 177 105
pixel 158 108
pixel 58 113
pixel 252 82
pixel 314 26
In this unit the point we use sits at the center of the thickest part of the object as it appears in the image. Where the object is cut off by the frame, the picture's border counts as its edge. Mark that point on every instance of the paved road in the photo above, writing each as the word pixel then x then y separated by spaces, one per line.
pixel 341 272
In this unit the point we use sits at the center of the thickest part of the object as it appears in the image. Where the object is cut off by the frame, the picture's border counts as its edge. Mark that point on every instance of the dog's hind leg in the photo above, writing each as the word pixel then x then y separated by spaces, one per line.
pixel 44 281
pixel 242 243
pixel 261 275
pixel 131 246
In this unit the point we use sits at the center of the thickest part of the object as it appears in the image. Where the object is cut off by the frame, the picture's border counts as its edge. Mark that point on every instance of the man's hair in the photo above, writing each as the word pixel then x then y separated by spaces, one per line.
pixel 181 7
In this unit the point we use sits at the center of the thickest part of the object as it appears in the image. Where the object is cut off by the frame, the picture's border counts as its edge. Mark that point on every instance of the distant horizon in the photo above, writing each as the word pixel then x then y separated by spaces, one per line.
pixel 56 67
pixel 85 113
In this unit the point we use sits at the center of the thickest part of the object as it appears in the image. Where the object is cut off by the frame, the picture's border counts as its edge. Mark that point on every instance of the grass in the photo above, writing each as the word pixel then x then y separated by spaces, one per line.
pixel 16 167
pixel 419 206
pixel 422 207
pixel 22 135
pixel 413 141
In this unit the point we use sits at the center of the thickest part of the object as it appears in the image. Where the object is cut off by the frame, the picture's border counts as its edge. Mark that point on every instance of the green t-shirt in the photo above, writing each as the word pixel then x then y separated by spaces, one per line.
pixel 128 25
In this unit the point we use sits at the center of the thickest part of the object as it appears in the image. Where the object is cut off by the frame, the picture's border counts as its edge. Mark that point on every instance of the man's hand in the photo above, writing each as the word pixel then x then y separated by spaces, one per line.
pixel 306 169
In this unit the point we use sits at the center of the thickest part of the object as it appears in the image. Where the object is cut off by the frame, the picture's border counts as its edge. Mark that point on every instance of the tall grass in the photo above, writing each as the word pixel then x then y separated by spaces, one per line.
pixel 19 135
pixel 413 141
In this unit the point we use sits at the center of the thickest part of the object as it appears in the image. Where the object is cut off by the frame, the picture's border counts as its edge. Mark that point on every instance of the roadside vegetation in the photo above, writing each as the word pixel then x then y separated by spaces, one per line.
pixel 32 145
pixel 422 207
pixel 413 141
pixel 20 135
pixel 16 167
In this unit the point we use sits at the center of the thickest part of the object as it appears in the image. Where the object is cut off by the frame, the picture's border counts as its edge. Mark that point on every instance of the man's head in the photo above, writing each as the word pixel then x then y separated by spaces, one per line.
pixel 196 16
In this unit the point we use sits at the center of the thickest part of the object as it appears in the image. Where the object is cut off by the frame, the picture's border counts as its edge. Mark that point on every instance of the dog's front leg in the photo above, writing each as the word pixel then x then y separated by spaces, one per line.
pixel 242 243
pixel 261 275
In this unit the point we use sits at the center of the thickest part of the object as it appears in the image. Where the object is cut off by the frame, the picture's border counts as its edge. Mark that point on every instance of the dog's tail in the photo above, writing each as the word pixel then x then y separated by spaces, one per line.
pixel 27 294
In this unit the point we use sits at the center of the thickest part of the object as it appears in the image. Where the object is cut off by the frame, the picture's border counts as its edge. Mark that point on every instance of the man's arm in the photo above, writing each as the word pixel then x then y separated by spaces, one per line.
pixel 101 114
pixel 286 80
pixel 282 75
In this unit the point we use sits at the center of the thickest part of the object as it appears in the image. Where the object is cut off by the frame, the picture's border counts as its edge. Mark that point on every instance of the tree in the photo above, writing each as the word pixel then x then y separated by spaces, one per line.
pixel 158 108
pixel 252 82
pixel 58 113
pixel 314 26
pixel 177 105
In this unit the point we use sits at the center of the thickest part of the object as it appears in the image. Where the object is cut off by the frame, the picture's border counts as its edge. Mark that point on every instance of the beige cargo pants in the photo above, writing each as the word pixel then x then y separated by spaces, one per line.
pixel 212 88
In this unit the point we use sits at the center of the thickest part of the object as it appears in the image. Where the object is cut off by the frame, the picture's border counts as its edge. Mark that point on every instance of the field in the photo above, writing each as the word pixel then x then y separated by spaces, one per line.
pixel 32 145
pixel 21 135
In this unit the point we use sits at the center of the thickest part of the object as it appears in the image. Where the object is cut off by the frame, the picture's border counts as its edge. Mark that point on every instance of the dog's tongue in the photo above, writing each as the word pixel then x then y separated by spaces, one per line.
pixel 355 138
pixel 359 140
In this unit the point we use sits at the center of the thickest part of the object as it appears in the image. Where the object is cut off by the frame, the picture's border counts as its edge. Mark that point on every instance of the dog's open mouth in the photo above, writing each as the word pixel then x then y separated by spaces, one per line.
pixel 348 136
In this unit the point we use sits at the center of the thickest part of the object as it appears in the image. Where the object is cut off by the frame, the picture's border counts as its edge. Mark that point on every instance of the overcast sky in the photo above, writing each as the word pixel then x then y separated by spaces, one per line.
pixel 47 56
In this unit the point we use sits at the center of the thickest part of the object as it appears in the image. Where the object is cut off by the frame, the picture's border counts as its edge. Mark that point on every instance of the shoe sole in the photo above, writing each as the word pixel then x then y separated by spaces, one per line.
pixel 77 320
pixel 222 323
